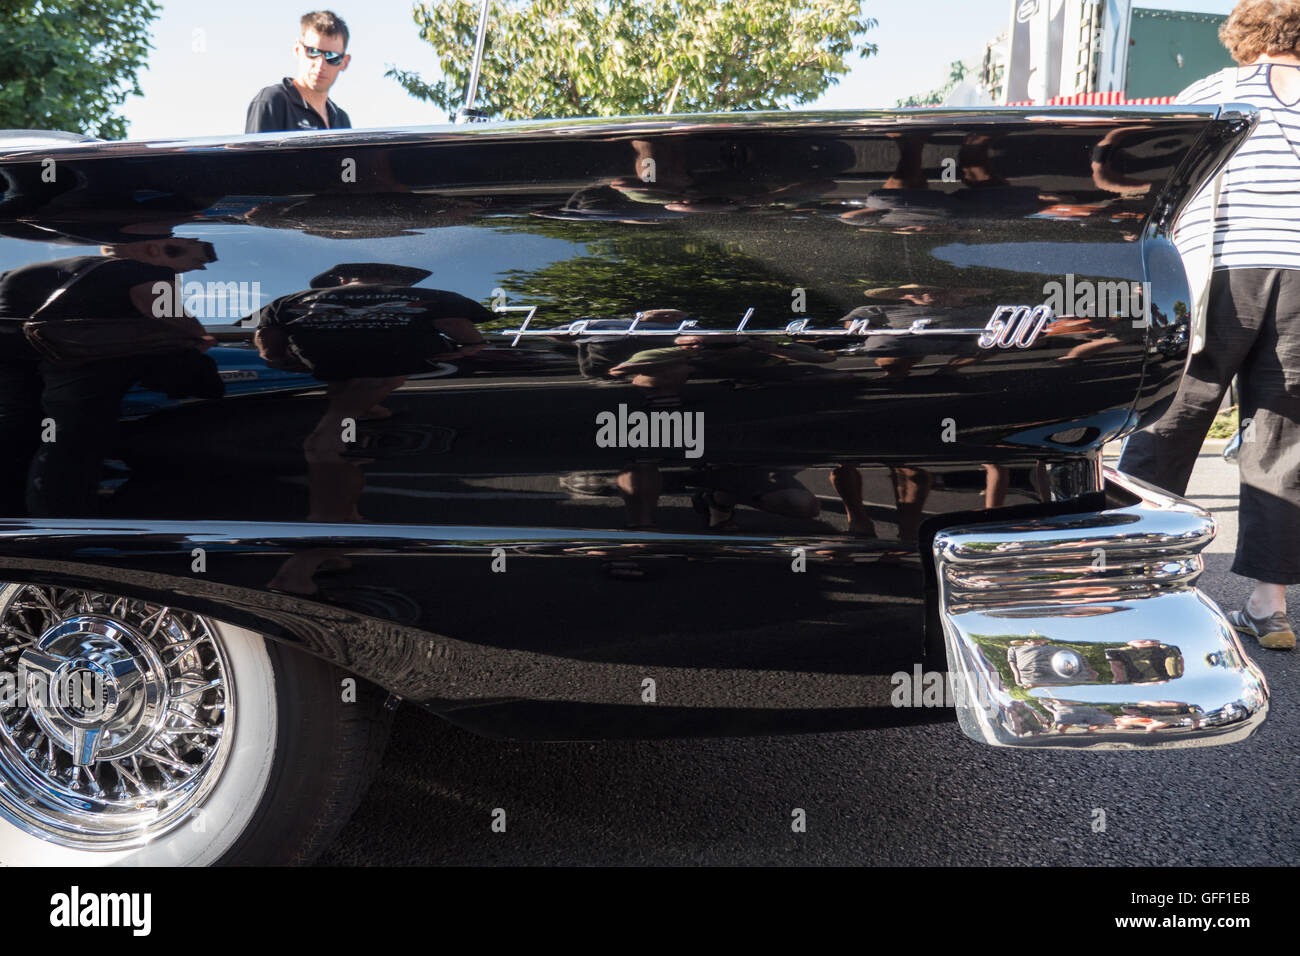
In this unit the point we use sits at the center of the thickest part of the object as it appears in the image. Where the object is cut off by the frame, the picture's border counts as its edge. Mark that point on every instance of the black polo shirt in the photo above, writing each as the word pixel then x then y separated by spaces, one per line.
pixel 281 108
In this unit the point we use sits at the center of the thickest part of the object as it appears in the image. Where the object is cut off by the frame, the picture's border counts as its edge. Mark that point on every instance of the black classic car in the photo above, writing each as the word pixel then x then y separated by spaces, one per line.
pixel 720 424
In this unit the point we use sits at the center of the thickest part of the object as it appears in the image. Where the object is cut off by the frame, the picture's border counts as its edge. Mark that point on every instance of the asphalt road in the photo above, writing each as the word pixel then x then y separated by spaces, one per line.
pixel 907 796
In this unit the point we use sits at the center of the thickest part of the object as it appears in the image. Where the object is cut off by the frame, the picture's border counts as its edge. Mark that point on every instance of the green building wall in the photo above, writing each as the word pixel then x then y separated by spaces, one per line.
pixel 1159 38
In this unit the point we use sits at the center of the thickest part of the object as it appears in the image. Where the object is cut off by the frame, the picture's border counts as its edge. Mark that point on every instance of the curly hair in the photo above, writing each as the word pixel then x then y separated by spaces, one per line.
pixel 327 23
pixel 1257 27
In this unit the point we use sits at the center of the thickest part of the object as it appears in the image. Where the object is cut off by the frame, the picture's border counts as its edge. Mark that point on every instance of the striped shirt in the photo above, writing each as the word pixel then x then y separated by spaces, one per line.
pixel 1258 222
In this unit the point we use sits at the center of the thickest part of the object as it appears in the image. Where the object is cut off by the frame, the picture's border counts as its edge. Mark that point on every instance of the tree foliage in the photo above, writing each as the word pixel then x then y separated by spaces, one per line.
pixel 957 71
pixel 623 273
pixel 711 267
pixel 66 64
pixel 556 58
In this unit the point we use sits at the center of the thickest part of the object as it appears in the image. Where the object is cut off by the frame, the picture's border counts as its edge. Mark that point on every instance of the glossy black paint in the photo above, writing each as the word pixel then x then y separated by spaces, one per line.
pixel 942 216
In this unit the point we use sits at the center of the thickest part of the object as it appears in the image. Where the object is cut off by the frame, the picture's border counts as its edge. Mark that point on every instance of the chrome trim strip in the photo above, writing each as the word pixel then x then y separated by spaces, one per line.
pixel 858 328
pixel 1039 658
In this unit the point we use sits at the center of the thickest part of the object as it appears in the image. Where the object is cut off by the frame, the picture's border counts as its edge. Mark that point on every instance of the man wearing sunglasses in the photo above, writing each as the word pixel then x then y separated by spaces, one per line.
pixel 302 101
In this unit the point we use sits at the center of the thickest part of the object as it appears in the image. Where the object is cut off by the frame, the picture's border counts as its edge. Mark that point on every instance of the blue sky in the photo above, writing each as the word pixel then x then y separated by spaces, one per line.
pixel 247 44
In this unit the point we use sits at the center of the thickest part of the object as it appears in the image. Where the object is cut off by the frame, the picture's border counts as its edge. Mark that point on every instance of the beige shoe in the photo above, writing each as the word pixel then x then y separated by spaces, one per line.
pixel 1273 632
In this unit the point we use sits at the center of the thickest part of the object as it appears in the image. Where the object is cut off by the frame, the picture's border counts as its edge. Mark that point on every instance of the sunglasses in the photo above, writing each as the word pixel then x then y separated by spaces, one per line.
pixel 333 59
pixel 174 251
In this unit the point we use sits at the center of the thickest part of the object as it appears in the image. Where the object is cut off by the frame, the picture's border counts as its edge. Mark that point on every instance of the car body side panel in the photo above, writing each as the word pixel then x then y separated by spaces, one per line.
pixel 487 550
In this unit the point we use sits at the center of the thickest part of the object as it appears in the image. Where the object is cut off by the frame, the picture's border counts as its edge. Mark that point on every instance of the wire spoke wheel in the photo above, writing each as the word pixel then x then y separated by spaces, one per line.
pixel 141 733
pixel 116 716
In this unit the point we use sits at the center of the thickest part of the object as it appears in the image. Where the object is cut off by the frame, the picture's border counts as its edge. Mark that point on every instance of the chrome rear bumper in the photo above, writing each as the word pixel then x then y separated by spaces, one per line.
pixel 1087 631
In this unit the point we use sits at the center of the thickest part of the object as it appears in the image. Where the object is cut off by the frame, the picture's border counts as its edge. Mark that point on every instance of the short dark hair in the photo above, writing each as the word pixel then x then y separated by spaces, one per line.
pixel 327 23
pixel 1256 27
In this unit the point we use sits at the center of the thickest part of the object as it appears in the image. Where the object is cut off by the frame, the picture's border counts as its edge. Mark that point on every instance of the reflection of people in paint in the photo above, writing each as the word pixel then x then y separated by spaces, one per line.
pixel 719 491
pixel 847 482
pixel 911 488
pixel 747 360
pixel 724 175
pixel 362 329
pixel 657 365
pixel 896 355
pixel 775 491
pixel 367 320
pixel 81 400
pixel 906 204
pixel 1110 163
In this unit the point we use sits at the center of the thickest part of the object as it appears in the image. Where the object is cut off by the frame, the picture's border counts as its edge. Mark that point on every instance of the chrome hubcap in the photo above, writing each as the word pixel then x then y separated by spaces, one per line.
pixel 116 723
pixel 95 689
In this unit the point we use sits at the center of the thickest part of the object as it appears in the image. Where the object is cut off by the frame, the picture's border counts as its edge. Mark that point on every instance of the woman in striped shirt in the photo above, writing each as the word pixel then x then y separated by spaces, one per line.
pixel 1253 319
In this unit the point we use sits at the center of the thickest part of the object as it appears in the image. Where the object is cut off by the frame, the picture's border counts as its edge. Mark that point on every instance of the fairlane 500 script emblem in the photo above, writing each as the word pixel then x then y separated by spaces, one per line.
pixel 1015 325
pixel 1011 325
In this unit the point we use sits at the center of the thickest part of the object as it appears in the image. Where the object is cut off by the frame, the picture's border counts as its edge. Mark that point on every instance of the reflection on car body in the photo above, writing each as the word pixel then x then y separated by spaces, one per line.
pixel 388 472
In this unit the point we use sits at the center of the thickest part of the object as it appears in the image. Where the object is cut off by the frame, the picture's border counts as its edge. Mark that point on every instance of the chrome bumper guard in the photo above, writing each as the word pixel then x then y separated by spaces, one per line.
pixel 1087 632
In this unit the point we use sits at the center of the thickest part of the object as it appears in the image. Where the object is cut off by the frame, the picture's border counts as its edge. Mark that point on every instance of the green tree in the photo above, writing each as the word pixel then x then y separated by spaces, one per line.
pixel 957 71
pixel 66 64
pixel 553 58
pixel 621 272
